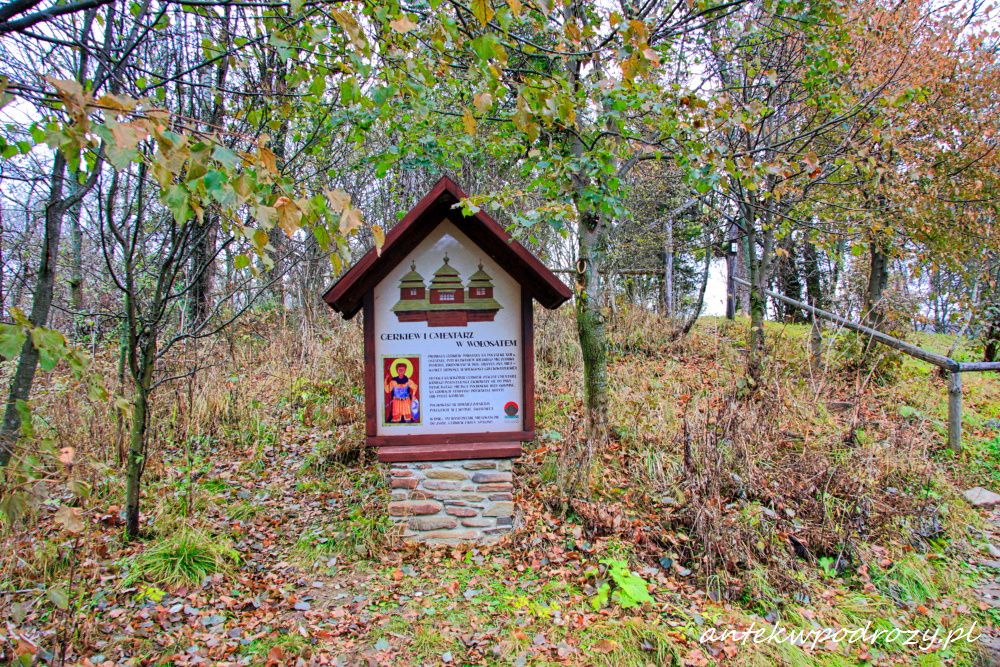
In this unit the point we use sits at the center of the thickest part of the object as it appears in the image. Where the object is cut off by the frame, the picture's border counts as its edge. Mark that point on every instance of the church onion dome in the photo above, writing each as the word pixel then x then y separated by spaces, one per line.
pixel 412 279
pixel 446 277
pixel 480 278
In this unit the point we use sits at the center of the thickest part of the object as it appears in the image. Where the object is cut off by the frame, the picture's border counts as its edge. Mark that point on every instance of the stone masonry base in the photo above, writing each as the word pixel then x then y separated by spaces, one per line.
pixel 449 502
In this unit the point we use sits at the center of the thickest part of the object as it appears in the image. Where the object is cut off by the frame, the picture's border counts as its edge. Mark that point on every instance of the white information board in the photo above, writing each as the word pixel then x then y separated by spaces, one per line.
pixel 448 342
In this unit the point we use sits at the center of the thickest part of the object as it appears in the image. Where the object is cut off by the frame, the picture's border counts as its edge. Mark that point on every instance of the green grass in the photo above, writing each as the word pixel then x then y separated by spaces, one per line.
pixel 623 643
pixel 288 647
pixel 244 511
pixel 186 557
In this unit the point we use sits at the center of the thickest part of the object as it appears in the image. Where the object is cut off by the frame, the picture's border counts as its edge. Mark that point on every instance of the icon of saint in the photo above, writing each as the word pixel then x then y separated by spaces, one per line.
pixel 401 394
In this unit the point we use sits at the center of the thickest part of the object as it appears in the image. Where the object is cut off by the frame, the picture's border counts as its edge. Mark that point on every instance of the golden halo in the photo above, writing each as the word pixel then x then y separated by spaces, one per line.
pixel 405 362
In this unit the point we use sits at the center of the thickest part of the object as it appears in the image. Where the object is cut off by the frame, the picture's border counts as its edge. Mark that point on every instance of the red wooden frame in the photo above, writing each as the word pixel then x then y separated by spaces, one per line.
pixel 440 447
pixel 347 295
pixel 355 292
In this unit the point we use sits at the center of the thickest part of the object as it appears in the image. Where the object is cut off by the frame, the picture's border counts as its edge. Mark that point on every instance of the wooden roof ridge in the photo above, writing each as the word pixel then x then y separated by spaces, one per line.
pixel 347 293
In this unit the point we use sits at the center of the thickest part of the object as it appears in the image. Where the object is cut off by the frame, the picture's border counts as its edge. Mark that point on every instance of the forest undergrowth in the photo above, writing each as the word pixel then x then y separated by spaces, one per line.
pixel 823 497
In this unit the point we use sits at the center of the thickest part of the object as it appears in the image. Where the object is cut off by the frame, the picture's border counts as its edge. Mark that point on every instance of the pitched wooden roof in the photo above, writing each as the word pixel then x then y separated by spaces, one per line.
pixel 348 292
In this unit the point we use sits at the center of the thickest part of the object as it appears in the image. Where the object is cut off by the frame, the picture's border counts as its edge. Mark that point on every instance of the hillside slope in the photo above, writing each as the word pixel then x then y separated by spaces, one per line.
pixel 822 499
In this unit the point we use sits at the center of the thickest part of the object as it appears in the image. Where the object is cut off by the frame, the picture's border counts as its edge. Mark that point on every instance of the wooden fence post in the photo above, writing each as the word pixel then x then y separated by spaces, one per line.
pixel 955 411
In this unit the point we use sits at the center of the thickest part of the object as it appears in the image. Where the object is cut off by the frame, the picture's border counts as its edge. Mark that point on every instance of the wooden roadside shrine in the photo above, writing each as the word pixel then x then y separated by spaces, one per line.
pixel 448 333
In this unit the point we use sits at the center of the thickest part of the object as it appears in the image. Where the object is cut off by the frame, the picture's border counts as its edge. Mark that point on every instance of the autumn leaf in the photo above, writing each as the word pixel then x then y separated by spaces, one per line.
pixel 605 646
pixel 350 220
pixel 339 200
pixel 515 6
pixel 69 91
pixel 482 11
pixel 69 518
pixel 267 159
pixel 482 101
pixel 379 237
pixel 350 25
pixel 469 122
pixel 403 24
pixel 116 102
pixel 289 215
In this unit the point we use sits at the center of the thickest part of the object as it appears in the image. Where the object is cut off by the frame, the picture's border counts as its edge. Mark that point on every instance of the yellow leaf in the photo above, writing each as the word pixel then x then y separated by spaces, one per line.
pixel 403 24
pixel 482 10
pixel 346 21
pixel 469 122
pixel 379 237
pixel 289 215
pixel 116 102
pixel 339 200
pixel 267 159
pixel 350 220
pixel 483 102
pixel 127 135
pixel 69 518
pixel 515 7
pixel 573 32
pixel 68 88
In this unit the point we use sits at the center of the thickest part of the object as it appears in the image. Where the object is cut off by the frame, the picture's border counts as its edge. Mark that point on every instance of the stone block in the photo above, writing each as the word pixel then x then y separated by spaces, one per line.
pixel 446 473
pixel 505 521
pixel 501 509
pixel 492 477
pixel 480 465
pixel 396 472
pixel 459 496
pixel 457 534
pixel 460 511
pixel 403 483
pixel 501 496
pixel 478 522
pixel 424 523
pixel 414 507
pixel 420 494
pixel 980 497
pixel 442 485
pixel 493 488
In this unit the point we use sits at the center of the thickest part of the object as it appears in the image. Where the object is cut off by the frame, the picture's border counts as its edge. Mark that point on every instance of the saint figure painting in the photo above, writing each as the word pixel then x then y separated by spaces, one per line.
pixel 402 405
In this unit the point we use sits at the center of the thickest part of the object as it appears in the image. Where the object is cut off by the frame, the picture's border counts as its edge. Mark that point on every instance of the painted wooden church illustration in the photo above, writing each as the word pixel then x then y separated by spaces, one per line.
pixel 447 302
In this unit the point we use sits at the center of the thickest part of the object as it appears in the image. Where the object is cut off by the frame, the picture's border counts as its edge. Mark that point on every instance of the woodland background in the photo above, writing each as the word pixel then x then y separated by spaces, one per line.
pixel 182 476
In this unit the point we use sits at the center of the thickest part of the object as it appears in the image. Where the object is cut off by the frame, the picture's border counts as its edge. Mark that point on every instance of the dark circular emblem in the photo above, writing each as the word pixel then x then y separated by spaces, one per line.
pixel 511 408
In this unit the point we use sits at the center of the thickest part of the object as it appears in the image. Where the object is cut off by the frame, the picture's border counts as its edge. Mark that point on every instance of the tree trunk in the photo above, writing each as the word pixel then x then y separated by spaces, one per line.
pixel 791 283
pixel 668 267
pixel 593 345
pixel 814 285
pixel 991 335
pixel 202 270
pixel 878 278
pixel 203 258
pixel 27 363
pixel 700 303
pixel 137 437
pixel 75 253
pixel 759 268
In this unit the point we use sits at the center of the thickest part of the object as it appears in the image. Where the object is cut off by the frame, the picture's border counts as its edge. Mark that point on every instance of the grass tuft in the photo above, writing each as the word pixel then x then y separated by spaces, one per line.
pixel 186 557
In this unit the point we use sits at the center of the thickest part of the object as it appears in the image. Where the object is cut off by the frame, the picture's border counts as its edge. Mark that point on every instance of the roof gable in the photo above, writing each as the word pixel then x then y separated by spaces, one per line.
pixel 347 294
